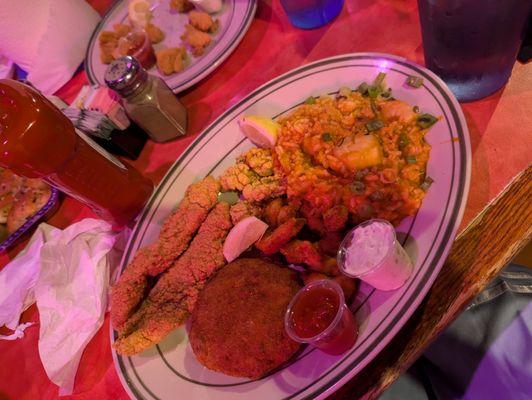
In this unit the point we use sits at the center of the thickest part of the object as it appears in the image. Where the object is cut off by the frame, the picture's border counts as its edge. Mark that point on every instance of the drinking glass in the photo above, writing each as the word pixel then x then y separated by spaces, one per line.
pixel 309 14
pixel 472 44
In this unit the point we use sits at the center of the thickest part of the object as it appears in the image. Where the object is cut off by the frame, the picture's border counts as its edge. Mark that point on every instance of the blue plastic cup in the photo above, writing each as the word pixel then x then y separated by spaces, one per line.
pixel 309 14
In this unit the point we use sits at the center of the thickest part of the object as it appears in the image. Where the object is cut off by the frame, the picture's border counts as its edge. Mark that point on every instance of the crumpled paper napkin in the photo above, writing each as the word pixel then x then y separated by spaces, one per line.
pixel 47 38
pixel 67 273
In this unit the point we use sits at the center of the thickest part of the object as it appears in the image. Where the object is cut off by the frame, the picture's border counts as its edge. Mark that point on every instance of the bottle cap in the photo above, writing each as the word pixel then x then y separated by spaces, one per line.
pixel 125 75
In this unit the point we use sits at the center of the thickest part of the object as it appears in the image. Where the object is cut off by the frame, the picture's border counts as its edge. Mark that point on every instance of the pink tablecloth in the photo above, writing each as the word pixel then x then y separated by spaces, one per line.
pixel 500 127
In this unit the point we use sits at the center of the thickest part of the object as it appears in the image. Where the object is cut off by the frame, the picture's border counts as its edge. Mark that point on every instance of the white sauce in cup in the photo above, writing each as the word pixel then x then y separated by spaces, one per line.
pixel 371 252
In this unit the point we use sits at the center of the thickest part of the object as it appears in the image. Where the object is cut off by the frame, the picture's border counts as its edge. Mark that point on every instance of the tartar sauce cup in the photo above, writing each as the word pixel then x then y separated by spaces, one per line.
pixel 372 253
pixel 319 316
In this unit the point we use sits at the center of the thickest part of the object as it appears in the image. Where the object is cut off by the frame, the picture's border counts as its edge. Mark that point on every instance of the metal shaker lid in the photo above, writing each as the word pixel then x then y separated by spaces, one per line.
pixel 125 75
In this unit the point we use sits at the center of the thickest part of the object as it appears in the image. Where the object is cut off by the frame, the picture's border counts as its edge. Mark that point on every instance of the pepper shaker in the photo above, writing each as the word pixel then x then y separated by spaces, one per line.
pixel 147 99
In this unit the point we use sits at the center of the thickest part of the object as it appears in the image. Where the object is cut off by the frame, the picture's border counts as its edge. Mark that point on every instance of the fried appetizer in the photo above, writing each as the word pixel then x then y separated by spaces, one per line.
pixel 108 41
pixel 122 29
pixel 5 209
pixel 202 21
pixel 277 213
pixel 237 327
pixel 10 183
pixel 176 233
pixel 240 177
pixel 305 252
pixel 180 61
pixel 272 242
pixel 196 39
pixel 181 6
pixel 272 211
pixel 155 34
pixel 243 209
pixel 30 201
pixel 330 243
pixel 335 218
pixel 259 160
pixel 171 60
pixel 174 296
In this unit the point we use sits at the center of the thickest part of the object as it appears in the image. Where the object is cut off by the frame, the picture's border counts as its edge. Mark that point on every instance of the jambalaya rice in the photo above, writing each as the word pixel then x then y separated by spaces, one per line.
pixel 368 154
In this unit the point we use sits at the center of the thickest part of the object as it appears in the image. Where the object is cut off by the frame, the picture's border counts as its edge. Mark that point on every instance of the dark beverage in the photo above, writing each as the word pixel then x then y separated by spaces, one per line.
pixel 472 44
pixel 308 14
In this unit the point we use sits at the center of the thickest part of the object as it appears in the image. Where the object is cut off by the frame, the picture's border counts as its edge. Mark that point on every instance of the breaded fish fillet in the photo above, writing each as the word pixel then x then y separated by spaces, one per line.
pixel 176 233
pixel 172 299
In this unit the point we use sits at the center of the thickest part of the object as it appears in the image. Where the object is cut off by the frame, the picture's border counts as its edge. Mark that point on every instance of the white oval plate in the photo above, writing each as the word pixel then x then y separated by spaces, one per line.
pixel 235 19
pixel 170 370
pixel 7 68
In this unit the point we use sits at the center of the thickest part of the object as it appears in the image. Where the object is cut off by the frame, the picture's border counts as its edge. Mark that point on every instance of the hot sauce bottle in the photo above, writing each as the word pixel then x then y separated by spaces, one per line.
pixel 38 141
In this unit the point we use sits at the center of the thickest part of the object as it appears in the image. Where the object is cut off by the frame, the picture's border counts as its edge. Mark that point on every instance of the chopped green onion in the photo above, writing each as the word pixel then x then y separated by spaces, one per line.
pixel 374 125
pixel 363 88
pixel 411 159
pixel 357 187
pixel 374 91
pixel 310 100
pixel 403 141
pixel 387 93
pixel 379 79
pixel 373 106
pixel 414 81
pixel 326 136
pixel 426 183
pixel 344 91
pixel 426 120
pixel 416 109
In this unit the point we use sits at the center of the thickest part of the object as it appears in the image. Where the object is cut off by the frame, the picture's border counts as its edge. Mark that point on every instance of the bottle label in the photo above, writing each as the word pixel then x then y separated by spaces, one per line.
pixel 100 149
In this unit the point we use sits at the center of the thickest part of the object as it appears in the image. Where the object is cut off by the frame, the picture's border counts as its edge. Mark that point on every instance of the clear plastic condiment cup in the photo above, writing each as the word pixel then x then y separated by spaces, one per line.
pixel 392 266
pixel 342 332
pixel 140 47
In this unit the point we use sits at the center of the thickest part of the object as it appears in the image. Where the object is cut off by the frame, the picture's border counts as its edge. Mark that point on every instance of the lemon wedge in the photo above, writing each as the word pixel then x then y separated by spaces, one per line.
pixel 242 236
pixel 260 130
pixel 139 12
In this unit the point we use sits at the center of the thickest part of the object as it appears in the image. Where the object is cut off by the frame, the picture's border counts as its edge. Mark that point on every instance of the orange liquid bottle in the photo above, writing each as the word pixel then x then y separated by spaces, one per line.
pixel 38 140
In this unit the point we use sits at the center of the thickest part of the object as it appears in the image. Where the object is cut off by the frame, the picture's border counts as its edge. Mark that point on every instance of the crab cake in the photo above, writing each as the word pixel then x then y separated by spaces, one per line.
pixel 238 322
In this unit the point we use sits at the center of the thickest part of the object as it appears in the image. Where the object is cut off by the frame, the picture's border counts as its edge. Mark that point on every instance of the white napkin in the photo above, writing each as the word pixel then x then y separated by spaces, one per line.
pixel 68 276
pixel 50 47
pixel 17 280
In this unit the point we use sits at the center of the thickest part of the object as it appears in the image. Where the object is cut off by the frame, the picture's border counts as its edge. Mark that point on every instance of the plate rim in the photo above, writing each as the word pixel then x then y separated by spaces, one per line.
pixel 235 41
pixel 450 230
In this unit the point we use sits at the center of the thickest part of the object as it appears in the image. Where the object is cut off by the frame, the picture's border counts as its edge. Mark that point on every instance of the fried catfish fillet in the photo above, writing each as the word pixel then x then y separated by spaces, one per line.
pixel 176 233
pixel 173 298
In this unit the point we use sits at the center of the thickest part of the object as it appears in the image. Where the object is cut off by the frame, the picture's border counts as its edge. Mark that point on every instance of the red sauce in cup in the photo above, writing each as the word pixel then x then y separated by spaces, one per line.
pixel 314 311
pixel 319 316
pixel 138 45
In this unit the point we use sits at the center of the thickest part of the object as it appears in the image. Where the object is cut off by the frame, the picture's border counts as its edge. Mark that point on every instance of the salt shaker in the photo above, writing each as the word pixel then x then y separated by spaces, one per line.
pixel 147 99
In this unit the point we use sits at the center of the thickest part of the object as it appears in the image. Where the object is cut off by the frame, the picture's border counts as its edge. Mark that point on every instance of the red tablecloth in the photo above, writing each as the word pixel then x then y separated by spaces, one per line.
pixel 500 127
